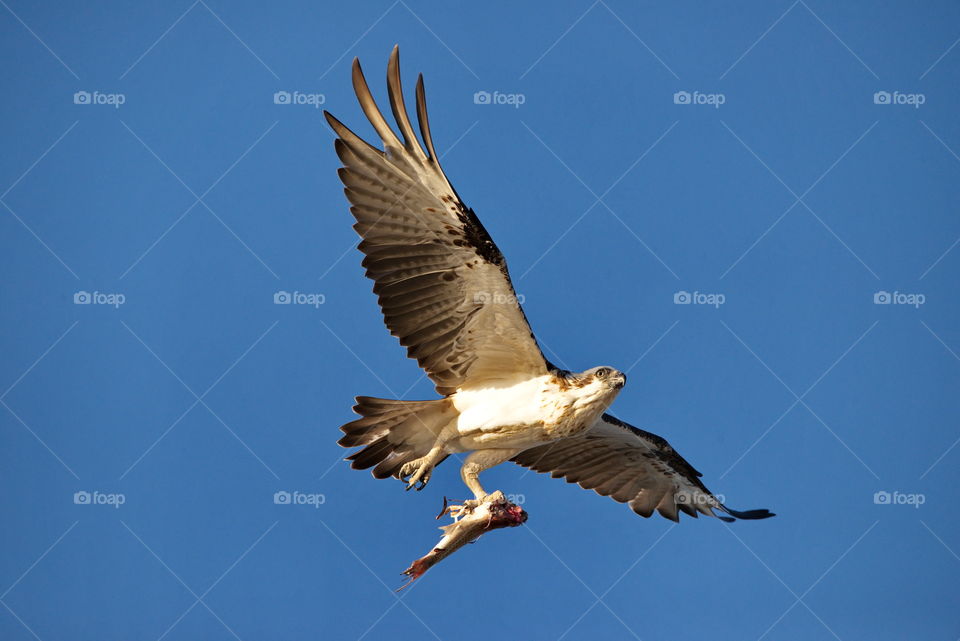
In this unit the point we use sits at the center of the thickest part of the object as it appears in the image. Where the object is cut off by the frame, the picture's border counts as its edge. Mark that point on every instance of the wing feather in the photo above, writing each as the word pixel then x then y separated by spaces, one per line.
pixel 631 466
pixel 395 91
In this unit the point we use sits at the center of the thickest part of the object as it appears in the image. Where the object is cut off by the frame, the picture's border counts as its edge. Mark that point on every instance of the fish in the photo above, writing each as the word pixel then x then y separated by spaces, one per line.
pixel 470 521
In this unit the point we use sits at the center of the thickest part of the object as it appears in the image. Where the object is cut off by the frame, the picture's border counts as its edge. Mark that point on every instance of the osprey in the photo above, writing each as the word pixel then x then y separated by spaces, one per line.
pixel 445 292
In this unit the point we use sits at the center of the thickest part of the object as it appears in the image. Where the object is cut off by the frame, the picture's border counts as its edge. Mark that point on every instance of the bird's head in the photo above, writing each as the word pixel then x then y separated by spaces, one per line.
pixel 604 381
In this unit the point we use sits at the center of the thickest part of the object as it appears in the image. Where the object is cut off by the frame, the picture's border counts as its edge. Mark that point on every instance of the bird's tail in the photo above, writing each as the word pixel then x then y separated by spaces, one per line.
pixel 394 432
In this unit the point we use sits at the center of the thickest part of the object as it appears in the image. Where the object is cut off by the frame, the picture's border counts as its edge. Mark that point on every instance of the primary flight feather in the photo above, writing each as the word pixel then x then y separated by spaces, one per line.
pixel 445 293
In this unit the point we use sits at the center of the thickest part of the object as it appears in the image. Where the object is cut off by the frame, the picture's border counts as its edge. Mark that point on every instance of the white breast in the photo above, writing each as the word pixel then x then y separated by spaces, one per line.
pixel 492 407
pixel 520 415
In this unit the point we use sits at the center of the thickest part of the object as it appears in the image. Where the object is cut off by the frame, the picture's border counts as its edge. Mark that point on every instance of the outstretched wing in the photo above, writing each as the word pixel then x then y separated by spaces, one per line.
pixel 442 283
pixel 631 466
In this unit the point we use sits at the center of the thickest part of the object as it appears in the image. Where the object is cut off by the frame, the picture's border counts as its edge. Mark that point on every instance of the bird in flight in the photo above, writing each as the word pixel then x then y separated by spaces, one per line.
pixel 445 292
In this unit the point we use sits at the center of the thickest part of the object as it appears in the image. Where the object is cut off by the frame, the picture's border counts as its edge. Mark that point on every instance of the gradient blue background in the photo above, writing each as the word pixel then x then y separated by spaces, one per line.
pixel 103 399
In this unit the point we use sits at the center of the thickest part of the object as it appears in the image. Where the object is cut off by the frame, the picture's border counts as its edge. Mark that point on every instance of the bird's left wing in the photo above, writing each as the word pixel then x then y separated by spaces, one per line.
pixel 631 466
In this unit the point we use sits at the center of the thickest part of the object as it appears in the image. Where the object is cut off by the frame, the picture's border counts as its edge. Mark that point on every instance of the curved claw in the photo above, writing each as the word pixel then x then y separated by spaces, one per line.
pixel 457 511
pixel 416 474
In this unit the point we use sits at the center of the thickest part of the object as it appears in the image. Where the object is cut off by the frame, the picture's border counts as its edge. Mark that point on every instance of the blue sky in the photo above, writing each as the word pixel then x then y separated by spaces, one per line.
pixel 789 163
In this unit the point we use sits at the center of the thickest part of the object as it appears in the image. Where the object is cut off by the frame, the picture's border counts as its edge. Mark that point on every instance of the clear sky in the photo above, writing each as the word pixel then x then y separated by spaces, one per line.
pixel 793 168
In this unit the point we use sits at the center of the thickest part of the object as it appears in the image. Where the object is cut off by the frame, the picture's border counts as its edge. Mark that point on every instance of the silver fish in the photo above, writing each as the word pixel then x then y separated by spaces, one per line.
pixel 470 522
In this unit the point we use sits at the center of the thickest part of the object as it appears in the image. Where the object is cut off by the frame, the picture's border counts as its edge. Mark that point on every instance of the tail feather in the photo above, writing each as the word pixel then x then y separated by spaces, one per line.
pixel 394 432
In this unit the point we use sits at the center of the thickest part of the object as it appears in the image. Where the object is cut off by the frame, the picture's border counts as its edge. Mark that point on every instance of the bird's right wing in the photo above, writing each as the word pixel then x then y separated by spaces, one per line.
pixel 631 466
pixel 441 281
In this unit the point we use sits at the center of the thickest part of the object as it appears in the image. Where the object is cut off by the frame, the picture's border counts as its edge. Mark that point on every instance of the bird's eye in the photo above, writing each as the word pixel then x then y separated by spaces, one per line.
pixel 600 373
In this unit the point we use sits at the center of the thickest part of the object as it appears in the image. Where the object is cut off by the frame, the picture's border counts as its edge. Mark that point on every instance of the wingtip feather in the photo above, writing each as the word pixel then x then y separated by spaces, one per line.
pixel 369 106
pixel 399 108
pixel 749 515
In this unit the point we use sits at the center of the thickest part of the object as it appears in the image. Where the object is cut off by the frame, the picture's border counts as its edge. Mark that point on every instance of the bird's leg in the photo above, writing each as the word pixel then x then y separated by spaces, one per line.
pixel 477 462
pixel 419 470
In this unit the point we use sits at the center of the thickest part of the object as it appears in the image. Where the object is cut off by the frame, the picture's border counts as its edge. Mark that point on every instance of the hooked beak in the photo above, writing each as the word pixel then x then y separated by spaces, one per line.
pixel 620 381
